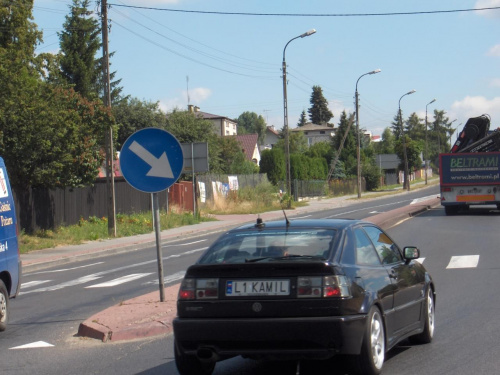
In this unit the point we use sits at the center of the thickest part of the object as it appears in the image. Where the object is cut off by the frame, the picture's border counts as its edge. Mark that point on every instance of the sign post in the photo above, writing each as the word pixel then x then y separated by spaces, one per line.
pixel 151 161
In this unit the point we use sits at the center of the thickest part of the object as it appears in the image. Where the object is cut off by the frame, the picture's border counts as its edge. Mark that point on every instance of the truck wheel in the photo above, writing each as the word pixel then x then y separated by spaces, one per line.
pixel 190 365
pixel 372 356
pixel 4 306
pixel 450 210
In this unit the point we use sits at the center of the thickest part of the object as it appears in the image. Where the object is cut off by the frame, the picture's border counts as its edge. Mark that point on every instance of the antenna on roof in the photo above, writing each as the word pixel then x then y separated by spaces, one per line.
pixel 284 214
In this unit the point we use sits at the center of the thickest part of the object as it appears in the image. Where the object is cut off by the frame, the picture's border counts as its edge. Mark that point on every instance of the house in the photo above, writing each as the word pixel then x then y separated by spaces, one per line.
pixel 250 147
pixel 271 138
pixel 315 133
pixel 223 126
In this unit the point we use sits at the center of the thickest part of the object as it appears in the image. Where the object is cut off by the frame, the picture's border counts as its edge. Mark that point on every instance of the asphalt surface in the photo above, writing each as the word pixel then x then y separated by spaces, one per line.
pixel 146 316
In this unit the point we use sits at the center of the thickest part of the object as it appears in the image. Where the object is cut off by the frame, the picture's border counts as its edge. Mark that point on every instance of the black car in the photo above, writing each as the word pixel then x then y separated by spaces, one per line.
pixel 305 289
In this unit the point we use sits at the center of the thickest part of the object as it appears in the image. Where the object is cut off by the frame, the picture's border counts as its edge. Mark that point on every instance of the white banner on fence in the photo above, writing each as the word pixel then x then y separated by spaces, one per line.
pixel 203 194
pixel 233 182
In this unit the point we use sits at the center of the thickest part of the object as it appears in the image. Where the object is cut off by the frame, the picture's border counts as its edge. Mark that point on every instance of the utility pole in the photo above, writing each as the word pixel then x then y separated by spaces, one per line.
pixel 110 175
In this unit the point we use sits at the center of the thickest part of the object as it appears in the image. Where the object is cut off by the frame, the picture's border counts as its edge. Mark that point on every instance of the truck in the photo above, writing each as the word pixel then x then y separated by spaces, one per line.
pixel 470 173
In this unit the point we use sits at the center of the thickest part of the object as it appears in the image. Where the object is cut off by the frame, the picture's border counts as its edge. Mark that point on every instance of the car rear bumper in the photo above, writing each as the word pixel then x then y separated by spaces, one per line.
pixel 317 337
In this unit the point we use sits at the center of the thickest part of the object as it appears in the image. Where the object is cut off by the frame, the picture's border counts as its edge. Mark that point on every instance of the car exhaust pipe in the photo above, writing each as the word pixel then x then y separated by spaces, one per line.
pixel 207 355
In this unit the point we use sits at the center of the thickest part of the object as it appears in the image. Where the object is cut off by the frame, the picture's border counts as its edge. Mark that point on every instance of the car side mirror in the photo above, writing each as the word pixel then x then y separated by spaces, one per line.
pixel 411 252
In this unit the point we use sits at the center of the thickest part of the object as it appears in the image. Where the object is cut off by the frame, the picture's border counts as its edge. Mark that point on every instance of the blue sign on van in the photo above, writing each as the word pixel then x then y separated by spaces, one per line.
pixel 10 263
pixel 151 160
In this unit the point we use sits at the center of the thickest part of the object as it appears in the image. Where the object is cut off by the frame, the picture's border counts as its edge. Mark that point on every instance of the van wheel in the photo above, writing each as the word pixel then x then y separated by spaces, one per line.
pixel 4 306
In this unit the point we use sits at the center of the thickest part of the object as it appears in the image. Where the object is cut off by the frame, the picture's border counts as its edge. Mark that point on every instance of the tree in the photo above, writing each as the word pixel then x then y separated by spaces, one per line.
pixel 272 162
pixel 386 145
pixel 80 42
pixel 252 123
pixel 189 128
pixel 132 114
pixel 230 154
pixel 348 155
pixel 319 112
pixel 302 119
pixel 413 150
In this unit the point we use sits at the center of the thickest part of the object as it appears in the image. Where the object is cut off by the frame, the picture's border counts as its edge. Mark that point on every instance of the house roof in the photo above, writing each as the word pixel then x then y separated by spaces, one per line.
pixel 273 130
pixel 209 116
pixel 248 143
pixel 310 127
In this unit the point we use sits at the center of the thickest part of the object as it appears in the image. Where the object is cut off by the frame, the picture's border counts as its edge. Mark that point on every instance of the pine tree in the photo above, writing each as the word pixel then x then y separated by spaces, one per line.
pixel 80 44
pixel 319 112
pixel 302 119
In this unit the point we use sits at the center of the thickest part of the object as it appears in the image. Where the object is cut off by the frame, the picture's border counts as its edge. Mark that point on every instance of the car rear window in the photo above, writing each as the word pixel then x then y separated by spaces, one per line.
pixel 243 246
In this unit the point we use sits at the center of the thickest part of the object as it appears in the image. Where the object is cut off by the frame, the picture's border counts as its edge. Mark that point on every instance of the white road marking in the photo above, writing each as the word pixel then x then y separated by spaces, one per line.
pixel 38 344
pixel 119 281
pixel 299 217
pixel 80 280
pixel 418 200
pixel 185 244
pixel 168 279
pixel 464 261
pixel 33 283
pixel 66 269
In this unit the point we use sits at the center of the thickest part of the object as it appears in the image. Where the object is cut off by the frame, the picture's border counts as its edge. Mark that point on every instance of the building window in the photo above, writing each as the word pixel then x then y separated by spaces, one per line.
pixel 322 132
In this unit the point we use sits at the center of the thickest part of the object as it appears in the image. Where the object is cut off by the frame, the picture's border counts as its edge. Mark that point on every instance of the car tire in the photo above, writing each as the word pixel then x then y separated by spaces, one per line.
pixel 429 315
pixel 4 306
pixel 371 358
pixel 190 364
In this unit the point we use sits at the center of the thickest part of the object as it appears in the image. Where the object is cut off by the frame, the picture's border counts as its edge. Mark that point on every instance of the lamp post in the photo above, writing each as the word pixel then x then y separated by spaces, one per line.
pixel 285 111
pixel 426 155
pixel 406 174
pixel 358 148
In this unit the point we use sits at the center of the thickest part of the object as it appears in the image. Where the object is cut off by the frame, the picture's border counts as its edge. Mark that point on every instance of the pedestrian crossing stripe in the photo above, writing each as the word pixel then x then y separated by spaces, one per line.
pixel 120 280
pixel 464 261
pixel 38 344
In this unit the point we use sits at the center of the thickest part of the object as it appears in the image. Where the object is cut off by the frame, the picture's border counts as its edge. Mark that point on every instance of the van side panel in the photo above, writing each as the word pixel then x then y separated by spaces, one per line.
pixel 10 264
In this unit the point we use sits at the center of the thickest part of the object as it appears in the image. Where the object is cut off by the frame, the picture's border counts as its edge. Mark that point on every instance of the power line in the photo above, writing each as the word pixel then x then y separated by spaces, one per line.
pixel 307 14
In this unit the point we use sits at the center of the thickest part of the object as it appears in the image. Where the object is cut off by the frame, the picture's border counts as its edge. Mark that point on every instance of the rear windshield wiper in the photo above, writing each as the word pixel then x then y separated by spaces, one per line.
pixel 287 257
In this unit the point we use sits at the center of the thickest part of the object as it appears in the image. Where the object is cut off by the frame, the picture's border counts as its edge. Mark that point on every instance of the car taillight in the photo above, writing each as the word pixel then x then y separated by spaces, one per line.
pixel 325 286
pixel 199 289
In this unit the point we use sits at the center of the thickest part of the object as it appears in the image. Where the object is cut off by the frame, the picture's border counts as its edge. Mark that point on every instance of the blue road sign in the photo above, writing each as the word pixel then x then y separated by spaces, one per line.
pixel 151 160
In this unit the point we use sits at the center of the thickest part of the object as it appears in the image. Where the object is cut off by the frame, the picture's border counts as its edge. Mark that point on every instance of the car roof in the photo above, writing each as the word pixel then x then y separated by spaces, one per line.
pixel 304 223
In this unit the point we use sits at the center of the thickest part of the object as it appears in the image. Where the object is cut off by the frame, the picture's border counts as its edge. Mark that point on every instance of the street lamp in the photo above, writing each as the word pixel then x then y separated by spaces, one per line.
pixel 426 155
pixel 285 110
pixel 357 130
pixel 406 174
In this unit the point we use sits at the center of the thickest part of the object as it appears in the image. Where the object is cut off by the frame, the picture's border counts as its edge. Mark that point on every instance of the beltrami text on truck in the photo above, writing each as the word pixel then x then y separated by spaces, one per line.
pixel 10 263
pixel 470 173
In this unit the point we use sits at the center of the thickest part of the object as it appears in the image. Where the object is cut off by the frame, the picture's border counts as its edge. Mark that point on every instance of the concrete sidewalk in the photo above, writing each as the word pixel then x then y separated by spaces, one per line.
pixel 146 316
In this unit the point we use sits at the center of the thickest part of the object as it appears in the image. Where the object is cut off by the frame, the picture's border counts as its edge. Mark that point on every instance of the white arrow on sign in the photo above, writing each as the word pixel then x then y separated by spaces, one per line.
pixel 160 167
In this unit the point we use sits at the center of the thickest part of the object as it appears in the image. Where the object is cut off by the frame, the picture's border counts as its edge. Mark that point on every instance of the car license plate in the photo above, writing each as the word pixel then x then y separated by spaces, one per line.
pixel 237 288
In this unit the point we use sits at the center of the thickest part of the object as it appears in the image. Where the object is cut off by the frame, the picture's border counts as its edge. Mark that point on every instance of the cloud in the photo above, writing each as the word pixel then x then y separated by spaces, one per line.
pixel 494 51
pixel 196 96
pixel 473 106
pixel 488 4
pixel 495 82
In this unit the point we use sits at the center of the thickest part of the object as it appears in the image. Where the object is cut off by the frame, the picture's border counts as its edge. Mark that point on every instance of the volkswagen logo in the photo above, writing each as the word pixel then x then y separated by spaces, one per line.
pixel 257 307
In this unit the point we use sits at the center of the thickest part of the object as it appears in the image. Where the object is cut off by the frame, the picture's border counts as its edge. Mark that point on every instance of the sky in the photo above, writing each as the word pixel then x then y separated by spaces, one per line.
pixel 225 56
